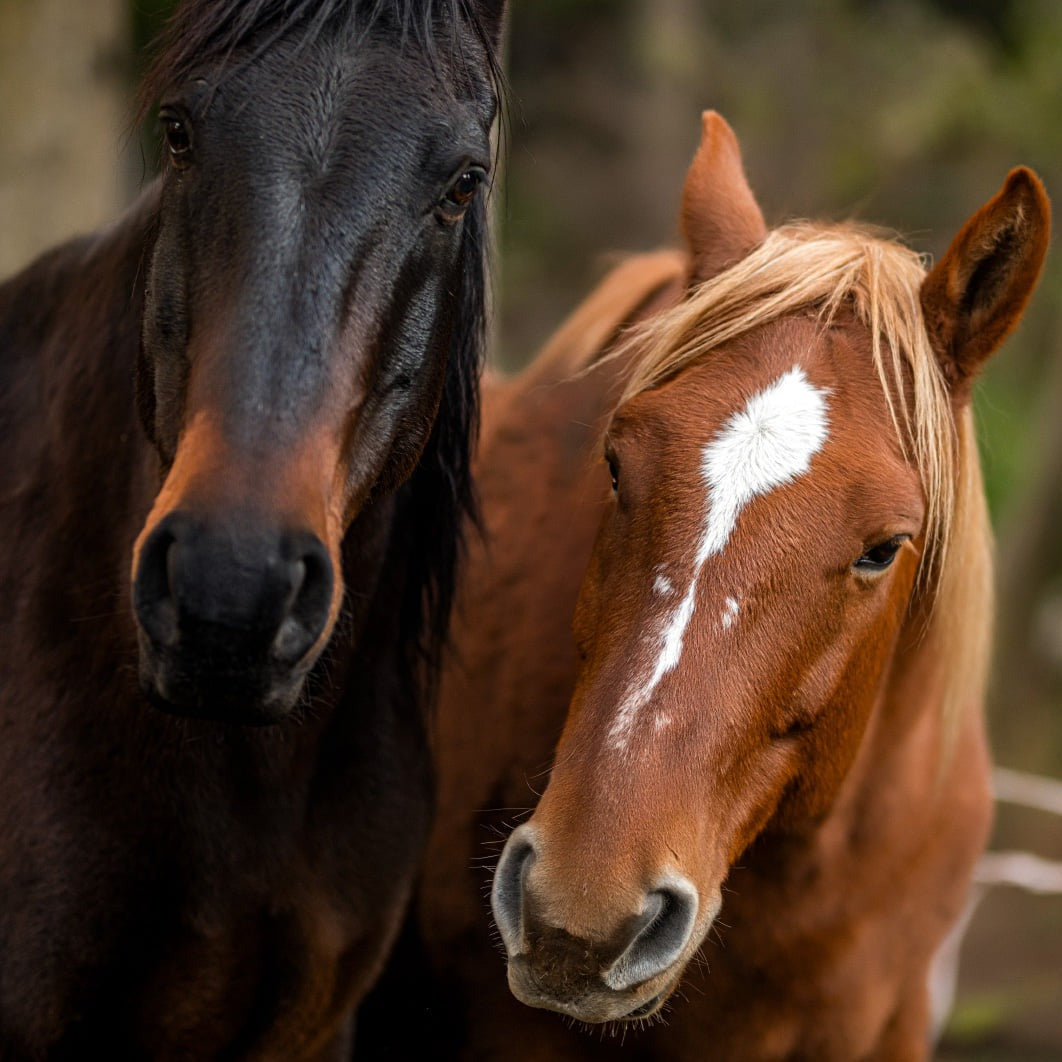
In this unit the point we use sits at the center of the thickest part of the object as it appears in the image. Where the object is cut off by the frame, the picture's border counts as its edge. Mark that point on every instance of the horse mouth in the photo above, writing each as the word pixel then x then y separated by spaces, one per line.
pixel 593 1005
pixel 194 688
pixel 649 1008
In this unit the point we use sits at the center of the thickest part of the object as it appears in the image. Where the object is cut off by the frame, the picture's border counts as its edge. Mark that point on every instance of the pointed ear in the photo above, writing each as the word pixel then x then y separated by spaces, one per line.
pixel 976 293
pixel 721 221
pixel 491 15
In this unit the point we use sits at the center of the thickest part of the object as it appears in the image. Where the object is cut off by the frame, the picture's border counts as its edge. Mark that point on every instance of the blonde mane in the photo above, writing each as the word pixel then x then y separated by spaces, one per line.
pixel 801 267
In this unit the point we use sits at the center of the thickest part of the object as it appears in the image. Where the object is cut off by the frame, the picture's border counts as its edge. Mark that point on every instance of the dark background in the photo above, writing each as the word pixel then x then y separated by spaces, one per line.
pixel 908 113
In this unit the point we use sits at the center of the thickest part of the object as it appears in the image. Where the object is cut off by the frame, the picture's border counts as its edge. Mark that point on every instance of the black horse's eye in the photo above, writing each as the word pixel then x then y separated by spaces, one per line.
pixel 178 138
pixel 879 557
pixel 461 193
pixel 613 471
pixel 464 188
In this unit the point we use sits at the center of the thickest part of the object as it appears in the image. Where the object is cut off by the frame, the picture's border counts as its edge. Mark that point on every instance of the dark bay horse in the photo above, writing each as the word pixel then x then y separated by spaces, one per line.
pixel 236 429
pixel 773 762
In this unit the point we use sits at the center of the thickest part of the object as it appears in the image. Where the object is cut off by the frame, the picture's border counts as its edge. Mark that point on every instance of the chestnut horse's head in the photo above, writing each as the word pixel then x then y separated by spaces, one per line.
pixel 314 292
pixel 791 481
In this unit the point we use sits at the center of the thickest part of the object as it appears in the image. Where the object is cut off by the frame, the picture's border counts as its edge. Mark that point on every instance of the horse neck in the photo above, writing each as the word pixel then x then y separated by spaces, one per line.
pixel 70 321
pixel 75 474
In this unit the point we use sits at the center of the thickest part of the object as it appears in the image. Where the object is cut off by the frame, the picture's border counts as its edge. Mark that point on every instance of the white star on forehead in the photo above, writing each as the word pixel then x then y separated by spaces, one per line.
pixel 766 445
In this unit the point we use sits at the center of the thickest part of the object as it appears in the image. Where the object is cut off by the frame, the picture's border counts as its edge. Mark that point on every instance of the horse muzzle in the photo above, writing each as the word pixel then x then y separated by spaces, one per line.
pixel 588 1000
pixel 621 965
pixel 231 616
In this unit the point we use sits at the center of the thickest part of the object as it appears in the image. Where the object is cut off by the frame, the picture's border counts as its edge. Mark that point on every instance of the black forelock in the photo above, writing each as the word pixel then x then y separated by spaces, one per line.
pixel 210 31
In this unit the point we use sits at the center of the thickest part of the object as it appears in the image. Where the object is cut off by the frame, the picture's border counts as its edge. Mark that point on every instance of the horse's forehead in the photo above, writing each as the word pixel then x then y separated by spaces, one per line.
pixel 778 421
pixel 738 383
pixel 414 134
pixel 335 74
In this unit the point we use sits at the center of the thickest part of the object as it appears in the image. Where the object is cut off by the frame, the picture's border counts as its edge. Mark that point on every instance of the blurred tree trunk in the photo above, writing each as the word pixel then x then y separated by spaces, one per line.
pixel 664 115
pixel 63 116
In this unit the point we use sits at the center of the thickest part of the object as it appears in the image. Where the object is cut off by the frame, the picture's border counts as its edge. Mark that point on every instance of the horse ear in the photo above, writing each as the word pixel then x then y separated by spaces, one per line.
pixel 491 14
pixel 721 221
pixel 976 293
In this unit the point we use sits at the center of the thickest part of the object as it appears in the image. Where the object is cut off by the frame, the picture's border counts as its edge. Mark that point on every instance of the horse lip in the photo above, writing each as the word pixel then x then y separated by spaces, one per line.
pixel 254 698
pixel 239 712
pixel 649 1007
pixel 594 1007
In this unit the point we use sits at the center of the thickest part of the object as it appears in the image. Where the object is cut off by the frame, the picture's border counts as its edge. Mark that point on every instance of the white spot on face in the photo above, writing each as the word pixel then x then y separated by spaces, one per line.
pixel 766 445
pixel 662 586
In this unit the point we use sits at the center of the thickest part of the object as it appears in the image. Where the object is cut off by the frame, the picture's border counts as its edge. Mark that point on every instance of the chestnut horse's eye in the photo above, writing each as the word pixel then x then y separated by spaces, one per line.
pixel 178 138
pixel 879 557
pixel 613 471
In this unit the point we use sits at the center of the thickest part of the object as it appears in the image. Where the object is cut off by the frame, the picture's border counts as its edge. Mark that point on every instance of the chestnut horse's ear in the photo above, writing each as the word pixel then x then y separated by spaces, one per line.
pixel 721 221
pixel 976 293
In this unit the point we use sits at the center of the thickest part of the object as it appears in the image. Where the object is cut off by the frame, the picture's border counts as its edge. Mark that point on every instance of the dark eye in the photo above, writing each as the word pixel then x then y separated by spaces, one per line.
pixel 613 471
pixel 879 557
pixel 178 138
pixel 462 192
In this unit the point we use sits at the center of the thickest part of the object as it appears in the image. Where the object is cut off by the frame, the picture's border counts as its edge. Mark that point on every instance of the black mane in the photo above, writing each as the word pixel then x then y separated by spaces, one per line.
pixel 439 501
pixel 204 31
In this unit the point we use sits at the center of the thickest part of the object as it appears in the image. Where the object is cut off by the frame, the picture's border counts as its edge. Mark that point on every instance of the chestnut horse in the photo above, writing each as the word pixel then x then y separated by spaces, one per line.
pixel 236 429
pixel 773 763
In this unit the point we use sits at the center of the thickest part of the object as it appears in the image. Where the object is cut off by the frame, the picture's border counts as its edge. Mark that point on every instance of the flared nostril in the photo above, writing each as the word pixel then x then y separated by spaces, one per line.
pixel 153 600
pixel 666 928
pixel 310 600
pixel 230 590
pixel 507 892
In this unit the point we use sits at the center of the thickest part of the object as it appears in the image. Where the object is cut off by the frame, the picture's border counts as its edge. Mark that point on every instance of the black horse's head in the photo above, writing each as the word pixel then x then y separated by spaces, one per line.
pixel 314 294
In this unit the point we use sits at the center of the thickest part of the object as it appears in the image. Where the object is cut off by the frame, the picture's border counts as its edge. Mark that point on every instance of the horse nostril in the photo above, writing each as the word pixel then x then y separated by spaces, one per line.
pixel 507 892
pixel 153 599
pixel 666 927
pixel 310 598
pixel 226 589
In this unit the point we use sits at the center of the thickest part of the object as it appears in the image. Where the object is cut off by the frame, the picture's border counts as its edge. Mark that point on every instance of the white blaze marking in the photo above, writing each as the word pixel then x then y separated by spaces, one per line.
pixel 768 444
pixel 731 613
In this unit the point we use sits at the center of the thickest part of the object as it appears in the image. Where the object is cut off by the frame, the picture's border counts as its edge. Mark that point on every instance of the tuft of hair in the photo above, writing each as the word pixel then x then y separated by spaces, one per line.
pixel 822 268
pixel 234 32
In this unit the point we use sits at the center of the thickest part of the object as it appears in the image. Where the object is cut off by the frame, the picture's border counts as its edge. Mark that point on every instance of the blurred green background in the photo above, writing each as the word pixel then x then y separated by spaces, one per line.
pixel 907 113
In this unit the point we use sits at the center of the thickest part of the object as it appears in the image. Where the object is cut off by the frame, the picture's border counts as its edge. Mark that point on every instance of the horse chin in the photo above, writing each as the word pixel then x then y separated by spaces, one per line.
pixel 262 697
pixel 595 1005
